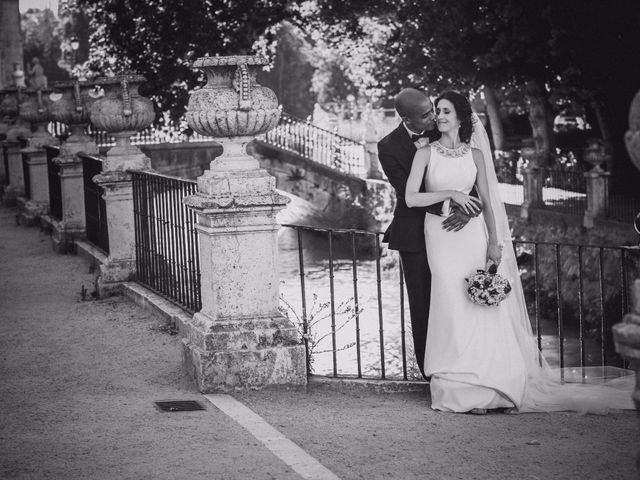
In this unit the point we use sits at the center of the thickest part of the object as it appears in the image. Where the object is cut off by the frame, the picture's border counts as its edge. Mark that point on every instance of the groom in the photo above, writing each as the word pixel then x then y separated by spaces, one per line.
pixel 406 231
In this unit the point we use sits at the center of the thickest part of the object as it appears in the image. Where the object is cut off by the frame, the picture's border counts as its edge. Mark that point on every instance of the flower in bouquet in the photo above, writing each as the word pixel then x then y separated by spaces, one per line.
pixel 487 287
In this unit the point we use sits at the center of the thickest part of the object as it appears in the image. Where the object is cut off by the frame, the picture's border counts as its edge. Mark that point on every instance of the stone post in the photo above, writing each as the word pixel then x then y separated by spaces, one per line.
pixel 597 181
pixel 122 112
pixel 36 109
pixel 16 133
pixel 15 188
pixel 372 164
pixel 239 339
pixel 70 104
pixel 532 182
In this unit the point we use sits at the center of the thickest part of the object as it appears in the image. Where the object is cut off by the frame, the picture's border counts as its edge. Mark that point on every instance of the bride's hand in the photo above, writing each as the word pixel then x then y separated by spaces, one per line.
pixel 470 205
pixel 494 254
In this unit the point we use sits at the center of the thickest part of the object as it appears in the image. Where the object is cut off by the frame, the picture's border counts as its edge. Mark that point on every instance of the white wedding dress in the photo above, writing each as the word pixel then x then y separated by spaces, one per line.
pixel 485 356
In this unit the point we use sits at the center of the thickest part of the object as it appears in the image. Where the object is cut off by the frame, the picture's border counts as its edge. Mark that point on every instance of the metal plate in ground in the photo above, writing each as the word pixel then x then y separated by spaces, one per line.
pixel 179 405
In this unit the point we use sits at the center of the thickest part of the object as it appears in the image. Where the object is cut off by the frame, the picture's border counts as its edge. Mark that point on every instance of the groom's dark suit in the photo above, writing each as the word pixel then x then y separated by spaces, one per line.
pixel 406 231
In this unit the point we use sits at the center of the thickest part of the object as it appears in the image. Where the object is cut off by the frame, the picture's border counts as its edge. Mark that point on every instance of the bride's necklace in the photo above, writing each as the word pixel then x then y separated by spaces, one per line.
pixel 451 152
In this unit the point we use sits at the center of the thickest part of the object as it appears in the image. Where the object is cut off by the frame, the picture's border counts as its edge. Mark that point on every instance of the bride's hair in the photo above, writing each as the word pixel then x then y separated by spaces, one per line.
pixel 463 112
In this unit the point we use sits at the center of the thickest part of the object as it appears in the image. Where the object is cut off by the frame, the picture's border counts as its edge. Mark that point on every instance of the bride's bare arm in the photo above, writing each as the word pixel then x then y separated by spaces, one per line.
pixel 494 252
pixel 415 198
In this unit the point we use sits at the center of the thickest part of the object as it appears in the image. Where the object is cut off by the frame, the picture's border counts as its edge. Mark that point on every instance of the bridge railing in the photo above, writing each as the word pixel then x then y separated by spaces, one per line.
pixel 318 145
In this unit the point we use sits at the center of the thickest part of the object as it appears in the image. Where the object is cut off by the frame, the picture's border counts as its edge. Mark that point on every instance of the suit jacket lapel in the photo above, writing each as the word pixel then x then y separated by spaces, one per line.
pixel 404 142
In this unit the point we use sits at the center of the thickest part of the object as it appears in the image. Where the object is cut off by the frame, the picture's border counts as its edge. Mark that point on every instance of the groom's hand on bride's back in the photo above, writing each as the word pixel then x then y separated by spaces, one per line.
pixel 459 218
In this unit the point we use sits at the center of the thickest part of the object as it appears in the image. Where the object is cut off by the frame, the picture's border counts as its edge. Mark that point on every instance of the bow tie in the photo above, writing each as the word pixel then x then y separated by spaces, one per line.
pixel 417 136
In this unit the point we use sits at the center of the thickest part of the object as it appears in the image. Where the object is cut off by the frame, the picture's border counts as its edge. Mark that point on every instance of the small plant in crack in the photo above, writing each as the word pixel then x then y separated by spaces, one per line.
pixel 307 326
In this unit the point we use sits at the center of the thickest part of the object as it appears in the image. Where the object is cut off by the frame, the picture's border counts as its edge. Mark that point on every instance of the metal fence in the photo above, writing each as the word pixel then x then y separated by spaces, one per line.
pixel 574 294
pixel 55 187
pixel 95 208
pixel 27 176
pixel 564 190
pixel 170 133
pixel 318 145
pixel 5 159
pixel 167 245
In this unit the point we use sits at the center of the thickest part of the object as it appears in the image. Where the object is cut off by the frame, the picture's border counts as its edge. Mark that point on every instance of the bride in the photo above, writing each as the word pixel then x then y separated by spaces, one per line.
pixel 482 357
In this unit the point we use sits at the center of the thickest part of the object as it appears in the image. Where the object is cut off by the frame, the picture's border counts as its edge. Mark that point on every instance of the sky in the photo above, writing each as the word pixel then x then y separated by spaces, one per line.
pixel 25 5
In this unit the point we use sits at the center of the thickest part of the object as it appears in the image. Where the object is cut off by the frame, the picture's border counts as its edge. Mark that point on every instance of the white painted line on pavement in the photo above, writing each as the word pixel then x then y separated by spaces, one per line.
pixel 283 448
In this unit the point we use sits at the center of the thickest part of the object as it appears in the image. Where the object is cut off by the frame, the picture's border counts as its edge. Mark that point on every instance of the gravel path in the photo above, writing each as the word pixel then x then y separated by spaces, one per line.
pixel 79 379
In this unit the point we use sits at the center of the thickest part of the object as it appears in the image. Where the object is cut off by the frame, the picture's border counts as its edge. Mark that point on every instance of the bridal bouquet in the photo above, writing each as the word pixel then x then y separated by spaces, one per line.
pixel 487 287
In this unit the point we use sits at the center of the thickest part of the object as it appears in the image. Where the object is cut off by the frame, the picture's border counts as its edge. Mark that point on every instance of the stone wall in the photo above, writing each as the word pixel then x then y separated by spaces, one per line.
pixel 186 160
pixel 351 201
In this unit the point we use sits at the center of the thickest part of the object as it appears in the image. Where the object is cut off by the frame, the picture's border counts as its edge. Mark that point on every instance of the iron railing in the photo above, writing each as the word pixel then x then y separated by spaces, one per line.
pixel 318 145
pixel 152 135
pixel 575 293
pixel 167 245
pixel 27 176
pixel 95 208
pixel 564 190
pixel 55 187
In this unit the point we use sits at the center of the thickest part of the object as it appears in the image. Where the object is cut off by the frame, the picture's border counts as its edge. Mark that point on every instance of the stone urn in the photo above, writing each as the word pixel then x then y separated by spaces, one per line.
pixel 36 109
pixel 596 154
pixel 233 107
pixel 122 112
pixel 530 153
pixel 70 104
pixel 14 127
pixel 232 103
pixel 632 137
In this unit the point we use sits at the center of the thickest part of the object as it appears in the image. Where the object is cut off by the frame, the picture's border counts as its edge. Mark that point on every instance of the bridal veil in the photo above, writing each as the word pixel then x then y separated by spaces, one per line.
pixel 545 390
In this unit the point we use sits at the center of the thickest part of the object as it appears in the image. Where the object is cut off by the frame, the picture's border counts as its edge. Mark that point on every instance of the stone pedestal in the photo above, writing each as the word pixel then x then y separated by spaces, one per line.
pixel 371 161
pixel 73 223
pixel 38 204
pixel 121 263
pixel 596 196
pixel 626 336
pixel 239 339
pixel 532 186
pixel 15 188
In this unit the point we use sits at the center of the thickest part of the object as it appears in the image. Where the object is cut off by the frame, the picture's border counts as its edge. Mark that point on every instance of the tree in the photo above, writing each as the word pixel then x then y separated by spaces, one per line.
pixel 42 34
pixel 292 71
pixel 584 47
pixel 161 38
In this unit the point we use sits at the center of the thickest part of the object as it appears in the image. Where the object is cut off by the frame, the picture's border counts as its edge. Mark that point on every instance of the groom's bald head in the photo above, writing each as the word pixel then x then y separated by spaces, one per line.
pixel 410 102
pixel 415 109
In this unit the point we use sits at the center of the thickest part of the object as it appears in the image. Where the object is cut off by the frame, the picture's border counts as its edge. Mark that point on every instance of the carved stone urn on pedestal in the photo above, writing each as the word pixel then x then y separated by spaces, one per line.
pixel 16 127
pixel 238 339
pixel 121 112
pixel 70 104
pixel 17 131
pixel 36 109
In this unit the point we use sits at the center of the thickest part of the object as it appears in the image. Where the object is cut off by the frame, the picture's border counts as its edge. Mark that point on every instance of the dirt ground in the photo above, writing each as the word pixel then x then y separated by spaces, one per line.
pixel 79 378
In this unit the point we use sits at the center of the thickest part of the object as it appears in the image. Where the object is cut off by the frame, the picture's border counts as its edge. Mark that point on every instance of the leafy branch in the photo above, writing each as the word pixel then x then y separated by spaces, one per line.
pixel 317 313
